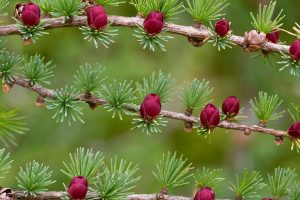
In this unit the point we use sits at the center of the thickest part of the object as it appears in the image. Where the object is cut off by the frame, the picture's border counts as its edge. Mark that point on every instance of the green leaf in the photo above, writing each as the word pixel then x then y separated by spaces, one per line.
pixel 204 11
pixel 264 20
pixel 3 5
pixel 65 105
pixel 149 127
pixel 109 2
pixel 2 45
pixel 281 181
pixel 83 163
pixel 151 42
pixel 290 63
pixel 168 7
pixel 34 178
pixel 208 177
pixel 66 8
pixel 196 94
pixel 157 83
pixel 45 6
pixel 36 71
pixel 296 28
pixel 9 63
pixel 294 193
pixel 296 145
pixel 116 181
pixel 172 172
pixel 32 33
pixel 265 107
pixel 104 36
pixel 140 6
pixel 118 96
pixel 294 112
pixel 248 185
pixel 10 125
pixel 5 163
pixel 89 79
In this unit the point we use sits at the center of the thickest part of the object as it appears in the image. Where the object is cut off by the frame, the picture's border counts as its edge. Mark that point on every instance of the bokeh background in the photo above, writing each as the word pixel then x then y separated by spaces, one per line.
pixel 230 72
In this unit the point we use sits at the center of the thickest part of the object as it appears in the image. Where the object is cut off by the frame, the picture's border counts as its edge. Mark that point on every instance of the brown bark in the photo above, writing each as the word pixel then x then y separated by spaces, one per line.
pixel 93 100
pixel 188 31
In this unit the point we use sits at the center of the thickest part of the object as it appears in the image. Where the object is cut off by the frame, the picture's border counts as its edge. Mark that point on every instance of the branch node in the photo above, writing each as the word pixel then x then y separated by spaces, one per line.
pixel 247 132
pixel 161 197
pixel 279 140
pixel 6 87
pixel 262 123
pixel 40 101
pixel 6 194
pixel 196 42
pixel 188 125
pixel 27 42
pixel 254 40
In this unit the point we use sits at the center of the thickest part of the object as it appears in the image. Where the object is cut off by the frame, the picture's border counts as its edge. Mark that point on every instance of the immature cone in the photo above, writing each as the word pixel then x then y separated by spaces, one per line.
pixel 294 130
pixel 78 188
pixel 96 17
pixel 205 193
pixel 154 23
pixel 254 40
pixel 222 27
pixel 150 107
pixel 210 116
pixel 273 36
pixel 231 106
pixel 295 49
pixel 31 14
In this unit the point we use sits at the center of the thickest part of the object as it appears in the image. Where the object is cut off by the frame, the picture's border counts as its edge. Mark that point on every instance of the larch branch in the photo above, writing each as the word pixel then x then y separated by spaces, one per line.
pixel 45 92
pixel 53 195
pixel 133 22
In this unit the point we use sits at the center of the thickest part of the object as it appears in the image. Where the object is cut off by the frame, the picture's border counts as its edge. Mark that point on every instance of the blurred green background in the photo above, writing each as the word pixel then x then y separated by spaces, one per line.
pixel 230 72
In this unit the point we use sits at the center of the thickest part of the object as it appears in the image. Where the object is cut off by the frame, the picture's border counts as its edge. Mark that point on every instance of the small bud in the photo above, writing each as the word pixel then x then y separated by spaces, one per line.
pixel 295 49
pixel 78 188
pixel 205 193
pixel 6 87
pixel 154 23
pixel 40 101
pixel 267 198
pixel 31 14
pixel 96 17
pixel 279 140
pixel 27 42
pixel 273 36
pixel 150 107
pixel 294 130
pixel 210 116
pixel 222 27
pixel 247 132
pixel 231 106
pixel 262 123
pixel 92 105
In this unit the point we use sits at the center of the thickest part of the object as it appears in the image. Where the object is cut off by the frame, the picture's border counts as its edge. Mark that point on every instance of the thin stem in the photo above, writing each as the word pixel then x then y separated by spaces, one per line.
pixel 53 195
pixel 134 22
pixel 167 114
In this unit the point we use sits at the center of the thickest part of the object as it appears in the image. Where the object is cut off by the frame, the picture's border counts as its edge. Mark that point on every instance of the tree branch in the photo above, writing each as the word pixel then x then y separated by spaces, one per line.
pixel 59 195
pixel 133 22
pixel 45 92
